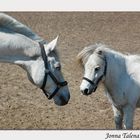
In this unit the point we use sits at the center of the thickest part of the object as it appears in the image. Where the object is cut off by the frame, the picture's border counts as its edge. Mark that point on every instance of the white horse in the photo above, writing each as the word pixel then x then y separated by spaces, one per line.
pixel 120 75
pixel 20 46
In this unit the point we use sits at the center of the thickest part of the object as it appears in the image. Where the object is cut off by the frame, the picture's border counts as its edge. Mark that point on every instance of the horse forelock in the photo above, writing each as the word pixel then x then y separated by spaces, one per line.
pixel 83 56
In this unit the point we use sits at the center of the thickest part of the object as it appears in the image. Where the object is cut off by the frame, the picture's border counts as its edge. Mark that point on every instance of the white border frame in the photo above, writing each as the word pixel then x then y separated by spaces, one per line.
pixel 68 134
pixel 69 5
pixel 65 5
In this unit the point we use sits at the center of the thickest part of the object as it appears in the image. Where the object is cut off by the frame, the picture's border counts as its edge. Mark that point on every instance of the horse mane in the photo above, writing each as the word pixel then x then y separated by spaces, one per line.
pixel 12 24
pixel 83 56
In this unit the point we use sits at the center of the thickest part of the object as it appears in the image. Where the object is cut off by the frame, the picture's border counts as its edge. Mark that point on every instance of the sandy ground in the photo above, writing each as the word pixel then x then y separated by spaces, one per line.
pixel 23 106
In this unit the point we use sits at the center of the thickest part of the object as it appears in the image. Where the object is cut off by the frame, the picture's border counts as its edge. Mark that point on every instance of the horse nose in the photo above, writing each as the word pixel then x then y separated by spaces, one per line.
pixel 85 91
pixel 64 100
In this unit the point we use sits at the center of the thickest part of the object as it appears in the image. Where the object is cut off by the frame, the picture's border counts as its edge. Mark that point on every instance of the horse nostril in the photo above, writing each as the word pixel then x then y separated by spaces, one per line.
pixel 64 101
pixel 86 91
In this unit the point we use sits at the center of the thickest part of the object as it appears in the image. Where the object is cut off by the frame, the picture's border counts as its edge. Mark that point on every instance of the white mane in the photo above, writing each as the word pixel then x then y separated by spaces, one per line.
pixel 16 26
pixel 87 51
pixel 12 33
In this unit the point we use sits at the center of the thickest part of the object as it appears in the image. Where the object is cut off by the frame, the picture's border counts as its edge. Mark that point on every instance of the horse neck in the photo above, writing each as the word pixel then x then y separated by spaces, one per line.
pixel 12 24
pixel 115 68
pixel 16 47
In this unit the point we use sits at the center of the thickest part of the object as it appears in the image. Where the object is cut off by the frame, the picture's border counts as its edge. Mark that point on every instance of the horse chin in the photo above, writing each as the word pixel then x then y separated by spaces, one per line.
pixel 61 104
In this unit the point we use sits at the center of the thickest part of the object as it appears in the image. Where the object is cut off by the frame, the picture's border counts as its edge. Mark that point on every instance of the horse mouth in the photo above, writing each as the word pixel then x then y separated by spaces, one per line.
pixel 87 91
pixel 91 91
pixel 62 103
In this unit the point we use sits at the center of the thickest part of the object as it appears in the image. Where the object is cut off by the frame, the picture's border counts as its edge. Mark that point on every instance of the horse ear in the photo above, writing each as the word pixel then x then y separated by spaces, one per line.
pixel 51 45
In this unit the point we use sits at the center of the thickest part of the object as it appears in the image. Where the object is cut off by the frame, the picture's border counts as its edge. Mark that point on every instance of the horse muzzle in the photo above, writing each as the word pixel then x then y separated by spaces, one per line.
pixel 87 91
pixel 93 87
pixel 62 99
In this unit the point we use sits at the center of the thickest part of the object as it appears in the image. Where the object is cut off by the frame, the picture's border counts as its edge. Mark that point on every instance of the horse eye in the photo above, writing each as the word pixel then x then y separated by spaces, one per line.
pixel 97 69
pixel 58 68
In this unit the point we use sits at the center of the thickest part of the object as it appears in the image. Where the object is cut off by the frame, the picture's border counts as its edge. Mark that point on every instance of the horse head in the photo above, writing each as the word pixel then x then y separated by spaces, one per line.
pixel 94 69
pixel 44 71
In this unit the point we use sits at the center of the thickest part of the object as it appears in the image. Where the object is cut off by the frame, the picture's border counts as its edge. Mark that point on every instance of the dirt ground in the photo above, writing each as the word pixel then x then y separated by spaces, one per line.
pixel 23 106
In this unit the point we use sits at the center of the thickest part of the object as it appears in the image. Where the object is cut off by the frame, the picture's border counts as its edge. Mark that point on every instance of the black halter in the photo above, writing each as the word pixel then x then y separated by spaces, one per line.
pixel 47 72
pixel 100 78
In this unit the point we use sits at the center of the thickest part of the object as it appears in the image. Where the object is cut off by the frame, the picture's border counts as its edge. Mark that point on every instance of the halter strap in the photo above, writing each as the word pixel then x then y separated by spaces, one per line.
pixel 100 78
pixel 88 80
pixel 105 67
pixel 45 59
pixel 47 72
